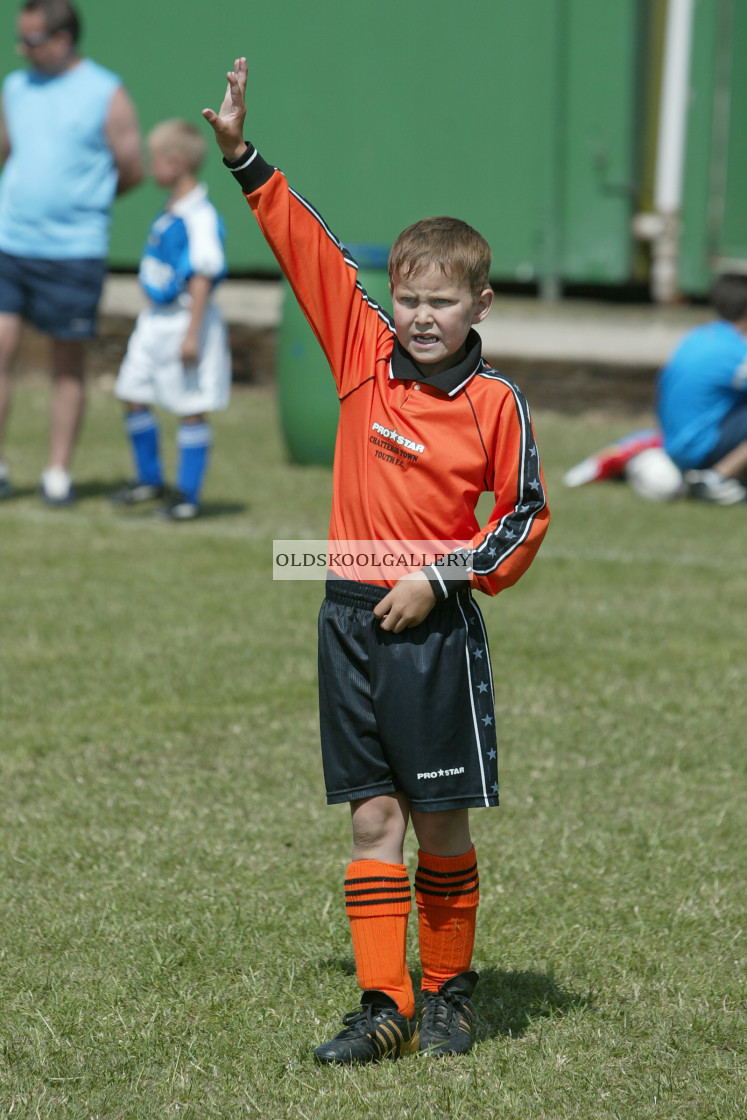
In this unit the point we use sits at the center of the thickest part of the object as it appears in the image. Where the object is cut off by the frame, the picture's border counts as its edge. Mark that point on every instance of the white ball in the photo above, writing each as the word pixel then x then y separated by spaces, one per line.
pixel 654 476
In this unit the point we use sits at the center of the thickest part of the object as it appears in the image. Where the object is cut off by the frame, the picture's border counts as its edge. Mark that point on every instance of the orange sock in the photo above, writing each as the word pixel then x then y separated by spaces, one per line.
pixel 377 899
pixel 447 893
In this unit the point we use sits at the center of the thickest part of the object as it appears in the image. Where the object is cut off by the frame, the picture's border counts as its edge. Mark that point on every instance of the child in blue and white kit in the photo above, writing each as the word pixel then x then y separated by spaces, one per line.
pixel 178 355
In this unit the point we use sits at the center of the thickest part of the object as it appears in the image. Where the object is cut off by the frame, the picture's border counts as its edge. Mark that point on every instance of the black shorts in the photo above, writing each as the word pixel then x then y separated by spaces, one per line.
pixel 57 297
pixel 410 712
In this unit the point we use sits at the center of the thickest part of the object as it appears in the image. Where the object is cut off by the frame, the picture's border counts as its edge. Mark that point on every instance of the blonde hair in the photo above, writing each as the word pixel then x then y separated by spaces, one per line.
pixel 456 248
pixel 181 138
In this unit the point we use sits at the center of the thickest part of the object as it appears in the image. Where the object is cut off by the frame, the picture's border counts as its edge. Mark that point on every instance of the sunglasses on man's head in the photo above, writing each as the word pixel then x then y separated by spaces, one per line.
pixel 37 40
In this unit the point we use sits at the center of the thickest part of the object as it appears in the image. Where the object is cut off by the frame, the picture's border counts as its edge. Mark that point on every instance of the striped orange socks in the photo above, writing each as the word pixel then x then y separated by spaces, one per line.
pixel 377 899
pixel 447 893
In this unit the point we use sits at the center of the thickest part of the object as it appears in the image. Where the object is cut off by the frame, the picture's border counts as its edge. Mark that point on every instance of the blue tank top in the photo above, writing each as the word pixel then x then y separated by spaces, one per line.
pixel 58 184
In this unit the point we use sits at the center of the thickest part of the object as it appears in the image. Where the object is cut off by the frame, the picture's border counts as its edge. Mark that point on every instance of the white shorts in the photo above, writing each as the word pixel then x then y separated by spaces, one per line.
pixel 153 373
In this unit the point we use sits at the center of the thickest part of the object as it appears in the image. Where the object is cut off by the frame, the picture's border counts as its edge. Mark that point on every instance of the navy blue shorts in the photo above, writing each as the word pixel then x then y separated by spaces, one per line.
pixel 57 297
pixel 733 432
pixel 410 712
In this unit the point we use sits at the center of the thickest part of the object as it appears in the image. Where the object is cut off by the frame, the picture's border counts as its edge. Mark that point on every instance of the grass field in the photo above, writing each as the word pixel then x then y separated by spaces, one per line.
pixel 173 941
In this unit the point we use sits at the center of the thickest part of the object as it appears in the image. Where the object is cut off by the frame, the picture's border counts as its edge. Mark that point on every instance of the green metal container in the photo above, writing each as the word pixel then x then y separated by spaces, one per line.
pixel 543 136
pixel 307 396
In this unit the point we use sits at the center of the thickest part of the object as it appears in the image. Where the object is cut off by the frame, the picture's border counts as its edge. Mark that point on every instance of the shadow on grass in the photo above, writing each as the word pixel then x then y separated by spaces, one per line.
pixel 19 492
pixel 82 490
pixel 87 491
pixel 222 509
pixel 95 488
pixel 345 965
pixel 98 489
pixel 507 1003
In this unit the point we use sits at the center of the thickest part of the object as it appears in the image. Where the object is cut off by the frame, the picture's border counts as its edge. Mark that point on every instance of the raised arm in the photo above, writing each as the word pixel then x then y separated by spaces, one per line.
pixel 321 272
pixel 228 122
pixel 123 136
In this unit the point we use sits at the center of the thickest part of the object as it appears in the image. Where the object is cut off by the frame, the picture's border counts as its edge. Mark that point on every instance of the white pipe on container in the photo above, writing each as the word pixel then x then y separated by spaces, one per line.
pixel 670 155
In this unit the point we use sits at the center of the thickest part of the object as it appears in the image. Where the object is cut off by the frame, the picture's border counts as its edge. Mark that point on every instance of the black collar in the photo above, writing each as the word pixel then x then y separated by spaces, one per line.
pixel 448 380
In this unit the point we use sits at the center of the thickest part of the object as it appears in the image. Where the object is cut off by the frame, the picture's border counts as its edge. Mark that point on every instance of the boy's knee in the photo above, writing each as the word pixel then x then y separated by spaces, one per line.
pixel 376 821
pixel 443 833
pixel 367 837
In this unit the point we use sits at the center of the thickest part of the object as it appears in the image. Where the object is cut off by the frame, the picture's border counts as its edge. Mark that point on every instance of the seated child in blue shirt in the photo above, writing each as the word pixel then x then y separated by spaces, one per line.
pixel 702 399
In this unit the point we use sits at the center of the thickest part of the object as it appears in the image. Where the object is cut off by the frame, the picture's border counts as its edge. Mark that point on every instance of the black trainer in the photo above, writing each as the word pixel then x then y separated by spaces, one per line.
pixel 710 486
pixel 373 1031
pixel 447 1017
pixel 134 493
pixel 179 508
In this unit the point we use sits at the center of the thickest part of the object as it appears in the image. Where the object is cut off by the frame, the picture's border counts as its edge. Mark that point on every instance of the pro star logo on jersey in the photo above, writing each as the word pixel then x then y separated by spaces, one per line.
pixel 393 435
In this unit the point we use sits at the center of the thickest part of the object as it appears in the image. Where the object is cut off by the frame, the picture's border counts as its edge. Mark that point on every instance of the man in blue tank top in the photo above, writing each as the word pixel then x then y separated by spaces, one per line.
pixel 70 143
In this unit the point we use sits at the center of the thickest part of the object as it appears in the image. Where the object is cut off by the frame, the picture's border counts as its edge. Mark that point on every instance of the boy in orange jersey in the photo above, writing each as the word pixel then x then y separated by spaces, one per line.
pixel 406 701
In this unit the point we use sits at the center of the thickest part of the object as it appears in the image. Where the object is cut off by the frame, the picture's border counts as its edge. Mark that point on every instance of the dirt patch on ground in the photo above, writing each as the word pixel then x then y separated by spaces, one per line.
pixel 569 386
pixel 580 387
pixel 253 351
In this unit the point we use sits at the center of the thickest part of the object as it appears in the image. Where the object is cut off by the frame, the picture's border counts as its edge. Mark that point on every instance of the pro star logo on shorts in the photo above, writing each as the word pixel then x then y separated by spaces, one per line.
pixel 393 435
pixel 441 773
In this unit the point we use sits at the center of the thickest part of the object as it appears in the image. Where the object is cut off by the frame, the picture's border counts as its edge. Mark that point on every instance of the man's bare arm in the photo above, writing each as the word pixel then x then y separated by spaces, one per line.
pixel 4 139
pixel 123 135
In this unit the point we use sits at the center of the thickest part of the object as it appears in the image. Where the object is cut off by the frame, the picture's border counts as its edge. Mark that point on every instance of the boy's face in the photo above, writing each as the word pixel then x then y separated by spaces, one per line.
pixel 432 318
pixel 166 167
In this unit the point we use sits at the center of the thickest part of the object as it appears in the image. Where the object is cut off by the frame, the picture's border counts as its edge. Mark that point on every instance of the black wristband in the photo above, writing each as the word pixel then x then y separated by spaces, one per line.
pixel 250 171
pixel 235 164
pixel 449 575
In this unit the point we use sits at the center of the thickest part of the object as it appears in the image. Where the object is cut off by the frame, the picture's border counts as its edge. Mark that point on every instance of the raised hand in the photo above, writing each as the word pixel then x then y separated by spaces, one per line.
pixel 228 122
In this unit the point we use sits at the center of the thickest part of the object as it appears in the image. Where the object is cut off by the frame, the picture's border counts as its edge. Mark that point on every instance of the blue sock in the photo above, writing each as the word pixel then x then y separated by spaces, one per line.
pixel 143 432
pixel 193 442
